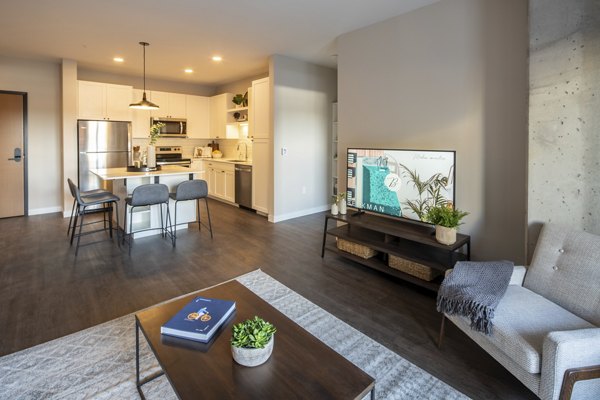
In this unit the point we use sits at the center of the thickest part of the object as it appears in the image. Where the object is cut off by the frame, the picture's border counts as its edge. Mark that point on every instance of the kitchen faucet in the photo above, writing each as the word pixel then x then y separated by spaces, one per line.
pixel 245 150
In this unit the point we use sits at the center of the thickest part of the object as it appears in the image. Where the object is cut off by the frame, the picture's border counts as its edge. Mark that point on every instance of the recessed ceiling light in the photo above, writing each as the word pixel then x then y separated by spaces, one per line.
pixel 118 59
pixel 188 70
pixel 217 58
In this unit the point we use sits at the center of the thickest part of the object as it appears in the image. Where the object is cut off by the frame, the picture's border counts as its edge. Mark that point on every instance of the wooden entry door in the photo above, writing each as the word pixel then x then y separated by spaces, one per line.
pixel 12 162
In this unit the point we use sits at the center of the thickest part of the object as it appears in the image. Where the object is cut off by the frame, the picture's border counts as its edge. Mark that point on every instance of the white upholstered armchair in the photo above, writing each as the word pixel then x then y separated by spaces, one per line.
pixel 547 326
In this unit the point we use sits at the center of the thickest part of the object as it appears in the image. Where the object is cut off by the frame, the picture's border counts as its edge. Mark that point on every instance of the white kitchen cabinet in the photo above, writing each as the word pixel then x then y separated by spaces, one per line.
pixel 140 121
pixel 103 101
pixel 261 172
pixel 171 105
pixel 260 109
pixel 221 180
pixel 211 175
pixel 198 117
pixel 230 185
pixel 218 115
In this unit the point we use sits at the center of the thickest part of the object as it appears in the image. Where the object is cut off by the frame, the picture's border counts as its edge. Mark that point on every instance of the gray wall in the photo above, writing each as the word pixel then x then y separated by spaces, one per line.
pixel 452 75
pixel 301 112
pixel 564 115
pixel 42 82
pixel 239 86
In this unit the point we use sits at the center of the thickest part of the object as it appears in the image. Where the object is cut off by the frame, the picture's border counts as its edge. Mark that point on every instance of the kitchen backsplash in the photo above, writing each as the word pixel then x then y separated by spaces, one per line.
pixel 229 147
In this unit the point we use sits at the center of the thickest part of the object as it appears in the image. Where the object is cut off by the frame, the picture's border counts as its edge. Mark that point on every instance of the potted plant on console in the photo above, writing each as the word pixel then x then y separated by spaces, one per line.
pixel 252 341
pixel 446 220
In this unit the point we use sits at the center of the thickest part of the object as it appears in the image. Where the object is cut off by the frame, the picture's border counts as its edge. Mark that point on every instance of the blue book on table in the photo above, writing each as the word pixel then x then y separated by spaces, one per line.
pixel 199 319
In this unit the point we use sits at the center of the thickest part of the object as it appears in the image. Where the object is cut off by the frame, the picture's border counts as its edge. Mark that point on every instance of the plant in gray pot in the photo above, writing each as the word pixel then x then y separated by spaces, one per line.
pixel 446 220
pixel 252 341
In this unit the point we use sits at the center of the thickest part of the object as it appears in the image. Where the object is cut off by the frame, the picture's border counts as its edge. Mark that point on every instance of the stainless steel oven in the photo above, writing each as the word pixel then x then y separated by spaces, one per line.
pixel 172 127
pixel 171 155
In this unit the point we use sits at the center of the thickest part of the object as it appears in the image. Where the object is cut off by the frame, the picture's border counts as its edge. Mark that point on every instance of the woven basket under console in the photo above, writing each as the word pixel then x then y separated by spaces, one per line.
pixel 355 248
pixel 412 268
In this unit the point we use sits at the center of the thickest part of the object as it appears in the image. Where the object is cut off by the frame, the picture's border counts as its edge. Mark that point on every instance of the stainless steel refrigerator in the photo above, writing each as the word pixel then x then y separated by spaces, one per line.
pixel 102 144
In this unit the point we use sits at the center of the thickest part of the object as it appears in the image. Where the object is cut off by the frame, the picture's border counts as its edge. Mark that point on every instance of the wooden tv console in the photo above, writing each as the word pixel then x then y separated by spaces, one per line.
pixel 411 241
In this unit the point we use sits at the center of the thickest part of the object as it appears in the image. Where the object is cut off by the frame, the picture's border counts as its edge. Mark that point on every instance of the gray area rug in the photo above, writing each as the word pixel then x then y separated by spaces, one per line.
pixel 99 362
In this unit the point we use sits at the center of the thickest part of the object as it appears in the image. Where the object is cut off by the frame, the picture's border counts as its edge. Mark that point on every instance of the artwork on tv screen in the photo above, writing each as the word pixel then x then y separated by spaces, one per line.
pixel 400 183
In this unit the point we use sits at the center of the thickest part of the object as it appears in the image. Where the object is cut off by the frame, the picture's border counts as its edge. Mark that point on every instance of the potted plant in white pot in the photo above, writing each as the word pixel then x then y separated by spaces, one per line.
pixel 252 341
pixel 334 206
pixel 446 220
pixel 342 202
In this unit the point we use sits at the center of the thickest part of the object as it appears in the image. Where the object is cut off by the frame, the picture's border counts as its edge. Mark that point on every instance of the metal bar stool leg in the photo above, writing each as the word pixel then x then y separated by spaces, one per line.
pixel 82 211
pixel 110 216
pixel 170 224
pixel 71 219
pixel 75 223
pixel 208 215
pixel 117 214
pixel 131 228
pixel 198 213
pixel 174 228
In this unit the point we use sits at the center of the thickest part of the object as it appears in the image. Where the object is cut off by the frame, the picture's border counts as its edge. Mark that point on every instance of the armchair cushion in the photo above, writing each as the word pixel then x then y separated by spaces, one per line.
pixel 519 330
pixel 569 349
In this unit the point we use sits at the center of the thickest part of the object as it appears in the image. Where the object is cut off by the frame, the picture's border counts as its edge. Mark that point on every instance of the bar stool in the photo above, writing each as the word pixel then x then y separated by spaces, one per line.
pixel 83 194
pixel 82 209
pixel 191 190
pixel 144 196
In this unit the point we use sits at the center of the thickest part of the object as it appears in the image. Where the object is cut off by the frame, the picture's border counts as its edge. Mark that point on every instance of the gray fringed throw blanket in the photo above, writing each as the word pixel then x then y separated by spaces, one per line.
pixel 474 289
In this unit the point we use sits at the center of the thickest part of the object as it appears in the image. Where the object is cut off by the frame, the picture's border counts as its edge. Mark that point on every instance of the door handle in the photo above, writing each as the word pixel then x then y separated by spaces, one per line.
pixel 17 155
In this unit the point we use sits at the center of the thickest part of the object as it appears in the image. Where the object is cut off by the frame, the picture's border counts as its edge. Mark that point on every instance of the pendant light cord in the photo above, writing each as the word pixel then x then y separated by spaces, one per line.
pixel 144 44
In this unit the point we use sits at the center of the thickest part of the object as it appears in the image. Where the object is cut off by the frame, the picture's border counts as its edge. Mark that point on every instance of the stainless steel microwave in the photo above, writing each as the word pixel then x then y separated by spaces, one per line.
pixel 172 127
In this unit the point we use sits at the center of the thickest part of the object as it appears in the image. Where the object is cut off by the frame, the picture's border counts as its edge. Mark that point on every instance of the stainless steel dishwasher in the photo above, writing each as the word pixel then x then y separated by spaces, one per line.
pixel 243 185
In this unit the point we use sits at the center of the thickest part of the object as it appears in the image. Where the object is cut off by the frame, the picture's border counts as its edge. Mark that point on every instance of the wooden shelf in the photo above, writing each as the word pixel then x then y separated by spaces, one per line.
pixel 237 109
pixel 408 230
pixel 411 241
pixel 379 265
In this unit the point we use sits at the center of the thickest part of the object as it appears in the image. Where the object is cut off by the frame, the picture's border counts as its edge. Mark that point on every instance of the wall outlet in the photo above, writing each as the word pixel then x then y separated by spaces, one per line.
pixel 303 189
pixel 284 151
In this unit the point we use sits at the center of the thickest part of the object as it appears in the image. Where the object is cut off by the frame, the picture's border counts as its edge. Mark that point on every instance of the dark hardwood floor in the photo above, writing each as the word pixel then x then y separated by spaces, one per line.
pixel 46 293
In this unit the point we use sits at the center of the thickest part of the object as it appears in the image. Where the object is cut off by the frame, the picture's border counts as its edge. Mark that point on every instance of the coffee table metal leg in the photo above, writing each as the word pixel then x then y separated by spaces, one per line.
pixel 138 382
pixel 373 393
pixel 137 360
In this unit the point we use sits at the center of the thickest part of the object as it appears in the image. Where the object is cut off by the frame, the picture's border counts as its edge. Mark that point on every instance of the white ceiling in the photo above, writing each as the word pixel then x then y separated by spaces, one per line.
pixel 186 33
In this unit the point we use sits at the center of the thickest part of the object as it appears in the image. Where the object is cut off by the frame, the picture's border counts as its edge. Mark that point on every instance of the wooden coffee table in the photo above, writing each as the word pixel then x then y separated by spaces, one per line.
pixel 301 366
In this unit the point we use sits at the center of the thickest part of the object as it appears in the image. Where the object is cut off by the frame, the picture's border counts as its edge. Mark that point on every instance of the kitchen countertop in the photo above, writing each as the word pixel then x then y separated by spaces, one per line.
pixel 223 160
pixel 109 174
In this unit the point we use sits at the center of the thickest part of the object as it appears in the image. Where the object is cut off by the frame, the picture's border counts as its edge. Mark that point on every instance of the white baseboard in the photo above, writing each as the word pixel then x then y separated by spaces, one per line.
pixel 46 210
pixel 299 213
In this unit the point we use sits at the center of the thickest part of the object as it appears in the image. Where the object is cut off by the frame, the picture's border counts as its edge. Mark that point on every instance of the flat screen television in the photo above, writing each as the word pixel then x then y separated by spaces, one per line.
pixel 400 183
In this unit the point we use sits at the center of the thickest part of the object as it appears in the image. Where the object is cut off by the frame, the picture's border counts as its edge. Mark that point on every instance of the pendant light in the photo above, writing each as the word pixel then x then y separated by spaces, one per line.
pixel 144 104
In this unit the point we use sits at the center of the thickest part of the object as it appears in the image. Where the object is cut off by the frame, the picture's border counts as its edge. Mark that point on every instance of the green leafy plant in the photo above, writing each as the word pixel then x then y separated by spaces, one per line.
pixel 155 132
pixel 240 99
pixel 429 192
pixel 252 333
pixel 445 216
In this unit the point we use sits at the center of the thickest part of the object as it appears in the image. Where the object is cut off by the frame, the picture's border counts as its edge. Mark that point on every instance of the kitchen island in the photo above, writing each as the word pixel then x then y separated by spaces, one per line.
pixel 122 183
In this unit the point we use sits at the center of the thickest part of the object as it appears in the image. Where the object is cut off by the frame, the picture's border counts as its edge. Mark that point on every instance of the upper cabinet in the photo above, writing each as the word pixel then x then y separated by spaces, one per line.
pixel 172 105
pixel 218 115
pixel 260 109
pixel 198 117
pixel 104 101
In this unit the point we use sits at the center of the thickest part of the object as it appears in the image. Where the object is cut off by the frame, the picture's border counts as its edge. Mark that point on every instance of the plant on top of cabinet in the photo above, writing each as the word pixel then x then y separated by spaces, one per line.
pixel 240 100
